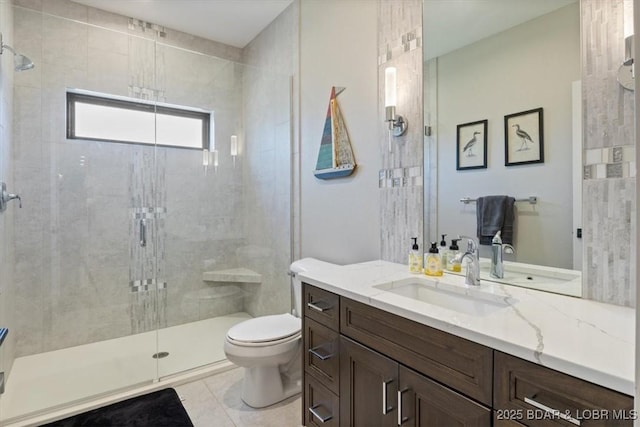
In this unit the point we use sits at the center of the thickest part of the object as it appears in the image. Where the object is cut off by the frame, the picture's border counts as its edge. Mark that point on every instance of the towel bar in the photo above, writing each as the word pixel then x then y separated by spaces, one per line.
pixel 531 199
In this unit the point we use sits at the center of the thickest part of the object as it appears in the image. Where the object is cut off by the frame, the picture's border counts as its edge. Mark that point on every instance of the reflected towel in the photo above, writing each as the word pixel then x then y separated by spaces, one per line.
pixel 495 213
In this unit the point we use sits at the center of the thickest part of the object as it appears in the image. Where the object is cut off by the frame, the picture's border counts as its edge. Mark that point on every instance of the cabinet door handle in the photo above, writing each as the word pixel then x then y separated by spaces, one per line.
pixel 401 419
pixel 385 408
pixel 552 411
pixel 320 353
pixel 314 412
pixel 317 307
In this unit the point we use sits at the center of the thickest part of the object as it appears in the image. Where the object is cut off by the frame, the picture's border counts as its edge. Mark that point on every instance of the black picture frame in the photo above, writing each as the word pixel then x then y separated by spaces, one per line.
pixel 471 145
pixel 524 138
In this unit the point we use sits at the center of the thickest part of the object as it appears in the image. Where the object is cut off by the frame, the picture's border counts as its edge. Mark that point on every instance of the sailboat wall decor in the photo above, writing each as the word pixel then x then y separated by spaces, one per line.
pixel 335 158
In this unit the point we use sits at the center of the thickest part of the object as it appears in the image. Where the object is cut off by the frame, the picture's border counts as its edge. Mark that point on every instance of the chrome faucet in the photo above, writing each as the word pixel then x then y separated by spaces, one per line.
pixel 497 250
pixel 473 267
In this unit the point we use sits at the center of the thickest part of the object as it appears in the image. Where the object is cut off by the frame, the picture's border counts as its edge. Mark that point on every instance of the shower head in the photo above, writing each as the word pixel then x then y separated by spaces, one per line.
pixel 21 62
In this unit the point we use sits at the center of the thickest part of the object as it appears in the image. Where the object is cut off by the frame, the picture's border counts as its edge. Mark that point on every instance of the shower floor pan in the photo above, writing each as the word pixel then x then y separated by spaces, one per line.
pixel 49 380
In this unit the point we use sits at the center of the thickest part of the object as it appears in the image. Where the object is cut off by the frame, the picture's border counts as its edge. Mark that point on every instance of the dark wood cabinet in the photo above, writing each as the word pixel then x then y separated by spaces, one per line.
pixel 365 367
pixel 368 386
pixel 534 395
pixel 423 402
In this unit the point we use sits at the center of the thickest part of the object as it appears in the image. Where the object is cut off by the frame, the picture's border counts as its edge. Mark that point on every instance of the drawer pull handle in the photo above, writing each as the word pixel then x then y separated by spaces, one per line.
pixel 319 306
pixel 385 408
pixel 401 419
pixel 321 353
pixel 315 413
pixel 549 410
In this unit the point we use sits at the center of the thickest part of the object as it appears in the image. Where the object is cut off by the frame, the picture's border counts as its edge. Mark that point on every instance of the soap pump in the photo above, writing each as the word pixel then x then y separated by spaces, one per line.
pixel 433 261
pixel 443 251
pixel 415 261
pixel 452 263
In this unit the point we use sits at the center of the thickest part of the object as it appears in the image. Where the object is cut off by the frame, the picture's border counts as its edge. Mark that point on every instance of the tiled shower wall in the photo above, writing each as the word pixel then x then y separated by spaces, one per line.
pixel 80 275
pixel 7 234
pixel 400 180
pixel 268 156
pixel 609 205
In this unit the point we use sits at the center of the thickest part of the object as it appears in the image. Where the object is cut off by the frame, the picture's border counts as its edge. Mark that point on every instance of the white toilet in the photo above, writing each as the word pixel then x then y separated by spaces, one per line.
pixel 268 347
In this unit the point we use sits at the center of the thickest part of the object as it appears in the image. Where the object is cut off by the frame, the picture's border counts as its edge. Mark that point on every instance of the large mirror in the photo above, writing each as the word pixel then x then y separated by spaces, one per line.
pixel 485 62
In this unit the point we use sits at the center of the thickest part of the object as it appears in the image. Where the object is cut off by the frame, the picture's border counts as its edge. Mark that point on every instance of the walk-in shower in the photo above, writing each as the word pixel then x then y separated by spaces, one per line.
pixel 91 309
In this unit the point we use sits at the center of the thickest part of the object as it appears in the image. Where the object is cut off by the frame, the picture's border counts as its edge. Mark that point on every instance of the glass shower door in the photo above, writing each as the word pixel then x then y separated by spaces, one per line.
pixel 227 223
pixel 81 327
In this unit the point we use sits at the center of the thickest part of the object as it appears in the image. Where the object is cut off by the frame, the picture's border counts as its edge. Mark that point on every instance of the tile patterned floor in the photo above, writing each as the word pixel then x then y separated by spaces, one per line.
pixel 215 402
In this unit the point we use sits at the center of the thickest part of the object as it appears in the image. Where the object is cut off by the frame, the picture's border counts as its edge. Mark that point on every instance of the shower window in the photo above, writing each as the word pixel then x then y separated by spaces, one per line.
pixel 118 119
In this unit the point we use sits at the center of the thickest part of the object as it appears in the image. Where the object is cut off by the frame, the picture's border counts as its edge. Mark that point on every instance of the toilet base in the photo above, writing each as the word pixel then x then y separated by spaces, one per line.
pixel 265 386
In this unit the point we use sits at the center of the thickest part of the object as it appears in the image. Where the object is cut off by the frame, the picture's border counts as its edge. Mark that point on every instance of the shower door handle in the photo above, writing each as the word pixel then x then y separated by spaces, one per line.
pixel 143 232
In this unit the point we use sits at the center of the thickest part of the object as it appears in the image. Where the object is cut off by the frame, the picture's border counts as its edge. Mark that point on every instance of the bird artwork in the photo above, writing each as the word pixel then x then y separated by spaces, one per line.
pixel 524 136
pixel 469 145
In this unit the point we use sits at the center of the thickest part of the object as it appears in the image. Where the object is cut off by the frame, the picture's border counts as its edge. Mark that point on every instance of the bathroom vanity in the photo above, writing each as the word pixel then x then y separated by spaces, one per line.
pixel 384 348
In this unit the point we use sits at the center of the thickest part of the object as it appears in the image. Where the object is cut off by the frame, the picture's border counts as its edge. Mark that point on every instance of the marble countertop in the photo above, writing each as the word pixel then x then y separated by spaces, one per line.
pixel 587 339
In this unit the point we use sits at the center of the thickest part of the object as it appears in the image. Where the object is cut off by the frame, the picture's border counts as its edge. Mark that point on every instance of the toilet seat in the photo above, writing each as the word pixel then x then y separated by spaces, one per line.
pixel 265 330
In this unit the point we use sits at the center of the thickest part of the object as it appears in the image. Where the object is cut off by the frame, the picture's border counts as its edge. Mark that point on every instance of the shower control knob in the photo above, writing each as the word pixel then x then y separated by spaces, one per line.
pixel 6 197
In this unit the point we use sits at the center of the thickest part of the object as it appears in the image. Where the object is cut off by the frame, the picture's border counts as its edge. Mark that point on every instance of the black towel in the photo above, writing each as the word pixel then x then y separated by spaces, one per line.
pixel 495 213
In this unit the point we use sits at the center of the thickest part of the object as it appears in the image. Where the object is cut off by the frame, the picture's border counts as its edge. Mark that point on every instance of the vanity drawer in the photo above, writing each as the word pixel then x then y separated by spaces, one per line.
pixel 463 365
pixel 321 357
pixel 321 407
pixel 529 393
pixel 321 306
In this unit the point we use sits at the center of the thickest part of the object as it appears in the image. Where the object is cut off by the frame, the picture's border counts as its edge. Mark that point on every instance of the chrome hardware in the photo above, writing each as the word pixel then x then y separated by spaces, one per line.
pixel 532 200
pixel 551 411
pixel 497 251
pixel 473 268
pixel 401 419
pixel 385 408
pixel 6 197
pixel 143 232
pixel 319 306
pixel 314 412
pixel 320 353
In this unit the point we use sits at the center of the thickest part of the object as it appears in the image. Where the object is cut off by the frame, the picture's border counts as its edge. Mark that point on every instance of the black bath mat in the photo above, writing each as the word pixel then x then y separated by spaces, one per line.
pixel 158 409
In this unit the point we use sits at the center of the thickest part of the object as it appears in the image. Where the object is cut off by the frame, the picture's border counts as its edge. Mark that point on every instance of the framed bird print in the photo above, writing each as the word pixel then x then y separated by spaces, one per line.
pixel 472 145
pixel 524 138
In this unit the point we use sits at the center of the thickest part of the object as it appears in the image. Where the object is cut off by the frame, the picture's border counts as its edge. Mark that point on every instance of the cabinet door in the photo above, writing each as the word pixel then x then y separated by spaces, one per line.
pixel 425 403
pixel 368 387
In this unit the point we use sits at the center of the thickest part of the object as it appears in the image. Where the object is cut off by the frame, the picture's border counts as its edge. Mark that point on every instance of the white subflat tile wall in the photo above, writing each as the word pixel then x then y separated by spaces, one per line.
pixel 401 207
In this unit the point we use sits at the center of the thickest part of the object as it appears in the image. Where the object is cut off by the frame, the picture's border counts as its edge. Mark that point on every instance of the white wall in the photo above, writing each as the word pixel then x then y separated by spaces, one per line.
pixel 530 66
pixel 339 218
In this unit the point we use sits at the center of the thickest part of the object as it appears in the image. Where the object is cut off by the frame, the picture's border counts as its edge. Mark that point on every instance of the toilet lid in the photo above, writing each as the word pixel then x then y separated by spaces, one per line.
pixel 265 328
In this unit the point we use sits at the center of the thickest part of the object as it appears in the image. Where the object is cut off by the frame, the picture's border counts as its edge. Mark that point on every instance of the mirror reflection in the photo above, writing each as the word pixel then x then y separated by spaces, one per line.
pixel 503 117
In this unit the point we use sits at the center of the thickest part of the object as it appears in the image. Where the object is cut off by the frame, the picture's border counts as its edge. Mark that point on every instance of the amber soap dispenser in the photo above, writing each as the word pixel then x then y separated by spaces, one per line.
pixel 433 261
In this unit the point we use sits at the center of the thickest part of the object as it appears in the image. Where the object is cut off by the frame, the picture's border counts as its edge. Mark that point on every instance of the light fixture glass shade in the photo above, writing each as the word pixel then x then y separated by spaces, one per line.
pixel 234 145
pixel 390 90
pixel 215 158
pixel 205 157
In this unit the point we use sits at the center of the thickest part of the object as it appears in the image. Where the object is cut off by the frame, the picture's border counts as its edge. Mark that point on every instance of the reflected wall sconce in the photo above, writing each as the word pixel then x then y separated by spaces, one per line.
pixel 397 123
pixel 625 71
pixel 205 157
pixel 214 153
pixel 209 157
pixel 234 148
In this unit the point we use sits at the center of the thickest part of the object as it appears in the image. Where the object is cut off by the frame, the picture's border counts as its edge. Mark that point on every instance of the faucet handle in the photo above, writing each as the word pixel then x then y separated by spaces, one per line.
pixel 508 249
pixel 472 243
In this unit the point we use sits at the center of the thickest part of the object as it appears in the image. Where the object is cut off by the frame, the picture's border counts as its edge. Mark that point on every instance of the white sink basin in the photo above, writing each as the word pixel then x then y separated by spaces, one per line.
pixel 451 297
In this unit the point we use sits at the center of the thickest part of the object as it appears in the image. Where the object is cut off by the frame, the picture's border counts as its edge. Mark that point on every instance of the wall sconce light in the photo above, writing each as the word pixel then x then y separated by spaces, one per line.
pixel 205 160
pixel 215 159
pixel 397 123
pixel 625 71
pixel 234 148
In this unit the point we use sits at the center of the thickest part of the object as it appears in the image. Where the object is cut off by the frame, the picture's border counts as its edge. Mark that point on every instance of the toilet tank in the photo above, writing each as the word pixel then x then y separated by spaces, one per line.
pixel 301 266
